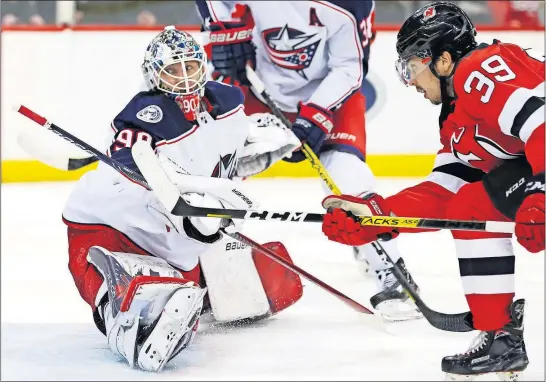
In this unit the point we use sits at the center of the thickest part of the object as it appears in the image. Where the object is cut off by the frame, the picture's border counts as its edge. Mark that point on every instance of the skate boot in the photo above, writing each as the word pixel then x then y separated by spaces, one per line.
pixel 499 351
pixel 392 302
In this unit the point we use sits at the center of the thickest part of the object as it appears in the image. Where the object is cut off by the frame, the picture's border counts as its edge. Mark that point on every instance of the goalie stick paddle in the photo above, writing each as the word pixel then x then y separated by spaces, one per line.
pixel 166 191
pixel 449 322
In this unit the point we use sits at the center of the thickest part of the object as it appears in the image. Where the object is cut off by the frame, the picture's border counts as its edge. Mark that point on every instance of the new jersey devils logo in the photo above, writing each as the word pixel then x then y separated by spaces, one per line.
pixel 477 150
pixel 290 48
pixel 225 168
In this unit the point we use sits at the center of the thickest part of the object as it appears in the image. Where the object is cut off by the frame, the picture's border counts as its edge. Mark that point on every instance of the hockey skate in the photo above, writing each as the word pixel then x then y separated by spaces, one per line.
pixel 392 302
pixel 500 351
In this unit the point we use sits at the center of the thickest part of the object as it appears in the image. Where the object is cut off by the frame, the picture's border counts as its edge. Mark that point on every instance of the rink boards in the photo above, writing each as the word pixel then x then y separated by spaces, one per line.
pixel 81 78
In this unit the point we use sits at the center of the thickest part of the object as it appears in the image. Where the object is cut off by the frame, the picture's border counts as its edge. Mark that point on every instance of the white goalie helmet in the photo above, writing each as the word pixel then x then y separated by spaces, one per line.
pixel 175 63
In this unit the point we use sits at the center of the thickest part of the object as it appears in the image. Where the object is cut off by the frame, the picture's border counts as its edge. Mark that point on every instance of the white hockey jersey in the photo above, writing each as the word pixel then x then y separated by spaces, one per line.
pixel 309 51
pixel 208 147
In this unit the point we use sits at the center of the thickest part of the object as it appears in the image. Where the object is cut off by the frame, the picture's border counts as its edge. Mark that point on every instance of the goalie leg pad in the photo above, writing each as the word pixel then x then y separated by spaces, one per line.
pixel 89 281
pixel 282 286
pixel 174 330
pixel 148 319
pixel 235 288
pixel 244 284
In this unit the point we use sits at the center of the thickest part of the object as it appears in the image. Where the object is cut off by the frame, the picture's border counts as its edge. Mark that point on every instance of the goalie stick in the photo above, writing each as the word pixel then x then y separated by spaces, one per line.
pixel 177 205
pixel 449 322
pixel 180 208
pixel 141 151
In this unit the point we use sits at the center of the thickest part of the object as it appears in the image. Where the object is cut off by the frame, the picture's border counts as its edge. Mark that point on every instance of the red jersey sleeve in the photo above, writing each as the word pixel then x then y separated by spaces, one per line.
pixel 502 85
pixel 429 198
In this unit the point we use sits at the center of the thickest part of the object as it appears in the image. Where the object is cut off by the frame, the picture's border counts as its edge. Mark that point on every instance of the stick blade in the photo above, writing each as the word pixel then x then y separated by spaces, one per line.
pixel 148 164
pixel 35 149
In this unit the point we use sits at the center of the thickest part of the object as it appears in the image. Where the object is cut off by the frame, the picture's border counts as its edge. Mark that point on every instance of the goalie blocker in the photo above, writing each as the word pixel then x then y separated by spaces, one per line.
pixel 241 284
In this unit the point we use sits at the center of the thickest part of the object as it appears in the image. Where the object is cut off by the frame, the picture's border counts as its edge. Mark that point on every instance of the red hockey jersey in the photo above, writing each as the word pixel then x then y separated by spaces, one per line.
pixel 497 115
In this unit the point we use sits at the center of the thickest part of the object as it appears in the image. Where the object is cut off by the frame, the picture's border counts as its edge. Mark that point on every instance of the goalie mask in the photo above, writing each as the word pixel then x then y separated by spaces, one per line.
pixel 175 64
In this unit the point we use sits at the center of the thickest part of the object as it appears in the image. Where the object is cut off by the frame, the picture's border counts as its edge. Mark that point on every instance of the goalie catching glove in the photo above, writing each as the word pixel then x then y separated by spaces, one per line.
pixel 268 141
pixel 341 225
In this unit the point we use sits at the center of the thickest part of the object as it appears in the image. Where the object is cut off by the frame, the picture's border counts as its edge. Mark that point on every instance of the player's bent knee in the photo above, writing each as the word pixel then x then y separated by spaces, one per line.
pixel 282 287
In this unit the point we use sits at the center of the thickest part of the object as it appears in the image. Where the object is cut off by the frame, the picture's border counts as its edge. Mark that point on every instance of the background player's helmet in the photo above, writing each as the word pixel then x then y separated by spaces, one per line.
pixel 432 30
pixel 169 47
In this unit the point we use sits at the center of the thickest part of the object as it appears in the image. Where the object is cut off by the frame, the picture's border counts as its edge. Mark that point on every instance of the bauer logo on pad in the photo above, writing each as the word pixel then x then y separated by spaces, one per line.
pixel 150 114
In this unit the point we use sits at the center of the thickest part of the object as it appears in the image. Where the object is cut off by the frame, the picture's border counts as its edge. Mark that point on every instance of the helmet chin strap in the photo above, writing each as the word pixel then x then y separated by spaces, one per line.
pixel 446 92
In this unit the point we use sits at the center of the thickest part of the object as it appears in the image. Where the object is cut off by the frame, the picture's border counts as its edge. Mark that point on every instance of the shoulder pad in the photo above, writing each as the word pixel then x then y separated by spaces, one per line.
pixel 154 113
pixel 223 97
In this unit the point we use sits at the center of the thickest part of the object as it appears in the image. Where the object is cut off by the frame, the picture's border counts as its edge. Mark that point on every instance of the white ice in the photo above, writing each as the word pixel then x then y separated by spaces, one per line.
pixel 48 332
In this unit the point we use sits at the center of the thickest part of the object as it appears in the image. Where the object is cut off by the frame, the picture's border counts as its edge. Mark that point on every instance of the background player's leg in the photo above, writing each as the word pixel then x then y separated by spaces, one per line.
pixel 343 156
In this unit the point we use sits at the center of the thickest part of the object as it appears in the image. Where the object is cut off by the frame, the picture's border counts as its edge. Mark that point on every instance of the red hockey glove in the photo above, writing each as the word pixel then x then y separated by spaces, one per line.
pixel 530 216
pixel 341 225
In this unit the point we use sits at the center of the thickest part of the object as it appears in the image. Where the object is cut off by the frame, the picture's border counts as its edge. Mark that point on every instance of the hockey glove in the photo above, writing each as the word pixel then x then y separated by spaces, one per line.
pixel 530 216
pixel 341 225
pixel 232 48
pixel 311 126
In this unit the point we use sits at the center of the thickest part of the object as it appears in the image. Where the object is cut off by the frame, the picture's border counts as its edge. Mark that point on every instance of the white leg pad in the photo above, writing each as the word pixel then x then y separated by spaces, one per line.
pixel 235 288
pixel 178 318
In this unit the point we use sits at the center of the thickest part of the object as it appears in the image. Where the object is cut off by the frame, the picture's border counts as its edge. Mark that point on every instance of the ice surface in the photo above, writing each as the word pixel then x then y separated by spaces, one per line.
pixel 48 332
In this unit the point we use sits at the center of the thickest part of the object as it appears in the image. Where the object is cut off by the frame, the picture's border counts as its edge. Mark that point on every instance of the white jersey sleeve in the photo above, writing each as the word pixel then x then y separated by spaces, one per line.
pixel 212 11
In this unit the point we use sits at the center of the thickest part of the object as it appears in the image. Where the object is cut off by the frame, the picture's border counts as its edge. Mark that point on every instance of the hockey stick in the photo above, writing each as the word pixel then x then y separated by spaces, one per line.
pixel 167 193
pixel 179 207
pixel 448 322
pixel 144 155
pixel 36 149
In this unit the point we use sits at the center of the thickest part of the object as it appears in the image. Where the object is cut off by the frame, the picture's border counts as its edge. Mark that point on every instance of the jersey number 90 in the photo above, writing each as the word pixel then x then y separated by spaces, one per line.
pixel 126 138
